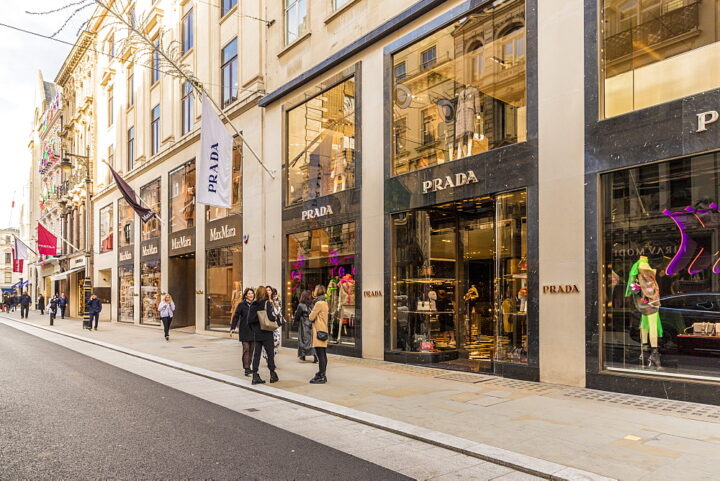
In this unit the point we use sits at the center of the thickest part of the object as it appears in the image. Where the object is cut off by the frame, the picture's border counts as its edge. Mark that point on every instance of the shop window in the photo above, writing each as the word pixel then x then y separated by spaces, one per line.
pixel 8 259
pixel 130 89
pixel 325 257
pixel 295 20
pixel 126 289
pixel 150 195
pixel 661 268
pixel 654 51
pixel 126 224
pixel 462 90
pixel 106 228
pixel 229 73
pixel 224 276
pixel 459 282
pixel 214 212
pixel 182 197
pixel 321 144
pixel 150 292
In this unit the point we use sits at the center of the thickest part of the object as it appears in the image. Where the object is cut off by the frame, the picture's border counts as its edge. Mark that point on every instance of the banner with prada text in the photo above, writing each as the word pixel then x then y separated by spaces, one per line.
pixel 214 169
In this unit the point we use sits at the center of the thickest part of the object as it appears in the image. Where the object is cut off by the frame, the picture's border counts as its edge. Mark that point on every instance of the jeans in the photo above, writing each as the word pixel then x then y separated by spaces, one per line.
pixel 62 312
pixel 269 352
pixel 166 325
pixel 247 354
pixel 96 317
pixel 321 353
pixel 24 311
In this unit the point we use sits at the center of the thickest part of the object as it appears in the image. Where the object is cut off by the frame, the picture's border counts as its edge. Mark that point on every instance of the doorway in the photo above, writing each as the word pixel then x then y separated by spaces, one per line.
pixel 181 285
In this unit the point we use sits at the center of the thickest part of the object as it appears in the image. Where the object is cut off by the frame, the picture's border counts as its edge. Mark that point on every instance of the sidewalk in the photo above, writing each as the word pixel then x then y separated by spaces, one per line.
pixel 620 436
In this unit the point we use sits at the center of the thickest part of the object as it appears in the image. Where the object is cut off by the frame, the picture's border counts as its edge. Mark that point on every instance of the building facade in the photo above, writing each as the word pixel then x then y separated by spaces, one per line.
pixel 514 187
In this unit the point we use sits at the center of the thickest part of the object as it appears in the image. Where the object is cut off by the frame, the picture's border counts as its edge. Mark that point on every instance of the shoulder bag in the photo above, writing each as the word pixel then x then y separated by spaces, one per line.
pixel 265 323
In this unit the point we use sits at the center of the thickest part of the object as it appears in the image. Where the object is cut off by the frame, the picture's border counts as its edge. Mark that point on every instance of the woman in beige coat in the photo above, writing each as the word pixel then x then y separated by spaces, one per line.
pixel 319 318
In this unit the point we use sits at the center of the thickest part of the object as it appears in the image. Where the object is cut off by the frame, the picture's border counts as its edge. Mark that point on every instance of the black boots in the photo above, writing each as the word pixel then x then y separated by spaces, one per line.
pixel 315 360
pixel 256 379
pixel 248 372
pixel 654 359
pixel 318 379
pixel 273 377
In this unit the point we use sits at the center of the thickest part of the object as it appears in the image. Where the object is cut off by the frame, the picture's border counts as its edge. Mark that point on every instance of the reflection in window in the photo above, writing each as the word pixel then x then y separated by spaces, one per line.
pixel 150 195
pixel 661 277
pixel 321 144
pixel 325 257
pixel 654 51
pixel 214 212
pixel 462 90
pixel 229 73
pixel 106 228
pixel 224 273
pixel 182 197
pixel 126 223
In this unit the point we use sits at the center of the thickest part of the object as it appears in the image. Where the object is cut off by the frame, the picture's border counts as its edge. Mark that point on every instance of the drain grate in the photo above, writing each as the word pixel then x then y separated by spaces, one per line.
pixel 469 378
pixel 523 385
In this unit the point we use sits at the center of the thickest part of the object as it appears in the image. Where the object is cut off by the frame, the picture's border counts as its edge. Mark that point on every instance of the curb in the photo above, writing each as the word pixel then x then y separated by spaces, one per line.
pixel 519 462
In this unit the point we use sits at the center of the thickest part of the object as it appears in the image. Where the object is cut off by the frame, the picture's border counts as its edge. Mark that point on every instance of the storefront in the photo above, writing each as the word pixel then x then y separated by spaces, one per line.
pixel 126 262
pixel 460 193
pixel 181 243
pixel 321 218
pixel 150 257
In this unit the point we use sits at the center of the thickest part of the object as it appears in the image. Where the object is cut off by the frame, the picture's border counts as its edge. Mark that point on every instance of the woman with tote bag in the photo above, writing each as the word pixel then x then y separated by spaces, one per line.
pixel 262 322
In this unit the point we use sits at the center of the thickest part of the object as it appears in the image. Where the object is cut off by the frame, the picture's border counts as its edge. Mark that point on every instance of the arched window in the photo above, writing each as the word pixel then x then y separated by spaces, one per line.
pixel 476 60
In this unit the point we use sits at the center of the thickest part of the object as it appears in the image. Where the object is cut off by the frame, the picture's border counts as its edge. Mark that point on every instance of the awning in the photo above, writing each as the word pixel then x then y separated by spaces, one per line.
pixel 63 275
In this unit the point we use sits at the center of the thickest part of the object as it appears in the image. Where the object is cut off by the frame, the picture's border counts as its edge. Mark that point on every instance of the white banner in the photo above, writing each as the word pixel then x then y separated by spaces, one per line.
pixel 214 169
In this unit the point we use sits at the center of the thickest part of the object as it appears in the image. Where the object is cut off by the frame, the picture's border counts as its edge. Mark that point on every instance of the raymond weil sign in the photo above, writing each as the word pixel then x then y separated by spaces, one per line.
pixel 150 249
pixel 449 182
pixel 223 232
pixel 181 242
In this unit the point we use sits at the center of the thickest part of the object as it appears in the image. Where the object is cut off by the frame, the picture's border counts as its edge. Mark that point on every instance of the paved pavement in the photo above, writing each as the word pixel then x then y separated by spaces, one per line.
pixel 620 436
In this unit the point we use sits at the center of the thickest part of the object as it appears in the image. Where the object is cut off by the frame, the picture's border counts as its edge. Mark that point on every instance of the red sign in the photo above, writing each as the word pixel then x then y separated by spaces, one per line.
pixel 47 242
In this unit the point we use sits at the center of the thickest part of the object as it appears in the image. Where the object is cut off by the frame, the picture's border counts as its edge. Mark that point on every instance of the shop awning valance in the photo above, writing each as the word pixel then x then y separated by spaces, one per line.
pixel 63 275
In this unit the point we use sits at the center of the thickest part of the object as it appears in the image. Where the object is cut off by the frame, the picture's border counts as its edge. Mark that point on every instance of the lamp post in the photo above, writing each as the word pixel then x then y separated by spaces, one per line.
pixel 67 168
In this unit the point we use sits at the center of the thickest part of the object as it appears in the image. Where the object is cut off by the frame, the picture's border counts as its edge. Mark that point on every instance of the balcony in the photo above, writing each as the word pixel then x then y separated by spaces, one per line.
pixel 653 33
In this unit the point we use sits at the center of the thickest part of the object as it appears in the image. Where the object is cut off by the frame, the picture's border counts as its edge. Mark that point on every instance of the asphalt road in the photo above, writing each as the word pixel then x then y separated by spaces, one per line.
pixel 67 416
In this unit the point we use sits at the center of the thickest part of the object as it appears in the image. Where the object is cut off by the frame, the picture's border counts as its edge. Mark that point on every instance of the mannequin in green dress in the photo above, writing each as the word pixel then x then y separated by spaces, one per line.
pixel 642 285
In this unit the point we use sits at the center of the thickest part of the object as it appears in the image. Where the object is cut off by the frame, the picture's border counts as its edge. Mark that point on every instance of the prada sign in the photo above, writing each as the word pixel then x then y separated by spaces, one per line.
pixel 317 212
pixel 561 289
pixel 706 118
pixel 126 255
pixel 150 249
pixel 224 232
pixel 449 182
pixel 181 242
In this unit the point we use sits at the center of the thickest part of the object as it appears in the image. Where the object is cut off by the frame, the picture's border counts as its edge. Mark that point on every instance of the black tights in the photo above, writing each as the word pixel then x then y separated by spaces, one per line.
pixel 321 353
pixel 247 354
pixel 166 321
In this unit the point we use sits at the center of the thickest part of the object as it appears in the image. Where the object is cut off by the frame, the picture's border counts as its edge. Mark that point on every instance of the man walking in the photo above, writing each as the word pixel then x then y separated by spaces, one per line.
pixel 62 304
pixel 94 306
pixel 25 301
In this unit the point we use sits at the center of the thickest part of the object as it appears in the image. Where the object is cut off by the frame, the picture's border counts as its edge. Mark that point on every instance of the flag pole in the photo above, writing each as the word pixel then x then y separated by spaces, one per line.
pixel 138 196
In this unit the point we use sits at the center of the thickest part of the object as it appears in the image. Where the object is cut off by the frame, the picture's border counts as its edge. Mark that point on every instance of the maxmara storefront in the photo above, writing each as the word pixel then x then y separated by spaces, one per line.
pixel 507 187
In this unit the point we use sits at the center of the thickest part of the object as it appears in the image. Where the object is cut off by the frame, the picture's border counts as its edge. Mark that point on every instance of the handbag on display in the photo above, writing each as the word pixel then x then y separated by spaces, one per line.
pixel 265 323
pixel 703 328
pixel 423 305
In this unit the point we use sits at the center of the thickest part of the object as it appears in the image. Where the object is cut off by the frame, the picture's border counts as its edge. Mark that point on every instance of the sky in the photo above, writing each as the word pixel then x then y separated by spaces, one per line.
pixel 21 56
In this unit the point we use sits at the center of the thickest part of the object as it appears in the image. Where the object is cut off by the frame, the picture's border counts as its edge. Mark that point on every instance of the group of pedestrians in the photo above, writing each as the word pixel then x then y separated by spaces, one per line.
pixel 258 319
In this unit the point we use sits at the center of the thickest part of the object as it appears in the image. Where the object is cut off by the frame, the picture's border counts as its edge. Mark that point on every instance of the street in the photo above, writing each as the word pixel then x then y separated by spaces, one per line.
pixel 67 416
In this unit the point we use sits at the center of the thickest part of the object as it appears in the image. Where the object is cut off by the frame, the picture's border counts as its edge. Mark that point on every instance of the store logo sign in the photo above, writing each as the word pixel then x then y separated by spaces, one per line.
pixel 706 118
pixel 181 242
pixel 221 233
pixel 561 289
pixel 149 250
pixel 125 256
pixel 372 293
pixel 317 212
pixel 450 182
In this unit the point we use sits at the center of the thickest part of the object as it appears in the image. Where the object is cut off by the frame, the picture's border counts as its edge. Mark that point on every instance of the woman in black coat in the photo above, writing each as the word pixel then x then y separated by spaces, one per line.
pixel 240 320
pixel 261 339
pixel 304 327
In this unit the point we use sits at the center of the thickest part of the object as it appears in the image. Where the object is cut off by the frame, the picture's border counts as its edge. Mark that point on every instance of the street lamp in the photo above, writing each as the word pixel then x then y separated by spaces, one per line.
pixel 67 167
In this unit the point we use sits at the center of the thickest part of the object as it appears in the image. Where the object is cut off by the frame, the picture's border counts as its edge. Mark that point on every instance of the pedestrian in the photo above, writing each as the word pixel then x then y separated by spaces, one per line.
pixel 277 309
pixel 13 301
pixel 54 301
pixel 263 340
pixel 319 318
pixel 5 302
pixel 166 308
pixel 62 304
pixel 304 327
pixel 24 301
pixel 240 320
pixel 41 304
pixel 94 306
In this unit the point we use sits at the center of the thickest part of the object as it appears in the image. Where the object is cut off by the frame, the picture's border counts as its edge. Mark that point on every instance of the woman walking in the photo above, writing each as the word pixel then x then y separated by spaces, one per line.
pixel 41 304
pixel 166 308
pixel 304 327
pixel 319 319
pixel 240 319
pixel 263 340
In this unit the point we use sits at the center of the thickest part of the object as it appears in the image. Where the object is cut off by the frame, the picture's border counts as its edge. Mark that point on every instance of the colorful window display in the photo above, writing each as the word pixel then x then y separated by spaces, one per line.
pixel 149 291
pixel 224 289
pixel 126 311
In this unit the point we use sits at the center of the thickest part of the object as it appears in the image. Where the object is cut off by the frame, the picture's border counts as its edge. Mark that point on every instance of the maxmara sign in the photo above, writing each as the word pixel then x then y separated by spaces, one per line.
pixel 222 232
pixel 449 182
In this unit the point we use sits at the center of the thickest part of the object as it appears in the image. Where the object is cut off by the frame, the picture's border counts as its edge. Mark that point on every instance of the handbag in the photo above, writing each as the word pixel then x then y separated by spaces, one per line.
pixel 703 329
pixel 265 323
pixel 322 336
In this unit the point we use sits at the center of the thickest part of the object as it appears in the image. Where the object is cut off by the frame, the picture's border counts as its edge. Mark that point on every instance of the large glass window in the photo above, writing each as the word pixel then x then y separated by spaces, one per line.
pixel 654 51
pixel 460 282
pixel 126 310
pixel 214 212
pixel 325 257
pixel 321 144
pixel 150 195
pixel 224 275
pixel 661 268
pixel 295 20
pixel 126 224
pixel 182 197
pixel 106 228
pixel 229 73
pixel 150 291
pixel 462 90
pixel 188 107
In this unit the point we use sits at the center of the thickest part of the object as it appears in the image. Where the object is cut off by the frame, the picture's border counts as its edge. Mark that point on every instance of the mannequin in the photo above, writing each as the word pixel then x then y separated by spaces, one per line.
pixel 347 304
pixel 642 285
pixel 471 297
pixel 522 295
pixel 331 296
pixel 468 111
pixel 236 296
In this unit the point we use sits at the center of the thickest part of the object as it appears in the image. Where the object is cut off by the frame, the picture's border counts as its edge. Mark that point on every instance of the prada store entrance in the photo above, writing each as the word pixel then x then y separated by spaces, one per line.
pixel 459 283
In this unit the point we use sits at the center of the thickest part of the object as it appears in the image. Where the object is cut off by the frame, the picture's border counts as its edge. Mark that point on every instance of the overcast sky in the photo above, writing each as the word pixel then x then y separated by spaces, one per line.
pixel 21 56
